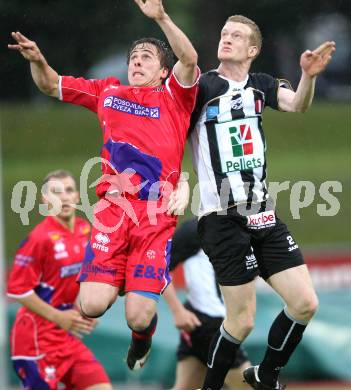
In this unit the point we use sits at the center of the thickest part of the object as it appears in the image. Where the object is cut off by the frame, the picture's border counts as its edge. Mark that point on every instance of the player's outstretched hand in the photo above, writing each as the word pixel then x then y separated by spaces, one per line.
pixel 185 320
pixel 179 199
pixel 151 8
pixel 73 322
pixel 26 47
pixel 314 62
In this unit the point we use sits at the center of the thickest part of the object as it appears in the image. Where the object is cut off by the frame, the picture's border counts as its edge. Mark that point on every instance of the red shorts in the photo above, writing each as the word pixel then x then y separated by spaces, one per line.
pixel 77 371
pixel 130 246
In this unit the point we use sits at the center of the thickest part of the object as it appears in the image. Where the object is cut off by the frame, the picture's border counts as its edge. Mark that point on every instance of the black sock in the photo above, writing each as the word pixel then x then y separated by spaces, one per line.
pixel 221 355
pixel 284 336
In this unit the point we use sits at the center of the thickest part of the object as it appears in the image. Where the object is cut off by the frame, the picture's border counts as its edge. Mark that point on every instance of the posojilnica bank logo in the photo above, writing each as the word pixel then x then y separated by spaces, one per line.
pixel 242 148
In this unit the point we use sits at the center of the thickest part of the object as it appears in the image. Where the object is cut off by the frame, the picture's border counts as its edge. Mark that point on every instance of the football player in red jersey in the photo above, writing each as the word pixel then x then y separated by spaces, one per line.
pixel 145 128
pixel 45 339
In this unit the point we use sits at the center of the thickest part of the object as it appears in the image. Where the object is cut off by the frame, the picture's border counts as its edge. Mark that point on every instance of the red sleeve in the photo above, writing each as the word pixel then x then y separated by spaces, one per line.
pixel 27 268
pixel 185 96
pixel 83 92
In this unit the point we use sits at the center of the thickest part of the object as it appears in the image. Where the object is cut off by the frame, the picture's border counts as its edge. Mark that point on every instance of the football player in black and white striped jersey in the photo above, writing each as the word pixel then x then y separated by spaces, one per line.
pixel 238 227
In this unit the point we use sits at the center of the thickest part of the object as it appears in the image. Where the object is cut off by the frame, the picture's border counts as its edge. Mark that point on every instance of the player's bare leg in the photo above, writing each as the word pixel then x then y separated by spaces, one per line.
pixel 240 304
pixel 234 378
pixel 294 285
pixel 190 374
pixel 95 298
pixel 142 319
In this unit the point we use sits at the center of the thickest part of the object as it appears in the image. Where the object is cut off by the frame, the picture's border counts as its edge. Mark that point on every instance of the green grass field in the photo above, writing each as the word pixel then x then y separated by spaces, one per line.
pixel 314 147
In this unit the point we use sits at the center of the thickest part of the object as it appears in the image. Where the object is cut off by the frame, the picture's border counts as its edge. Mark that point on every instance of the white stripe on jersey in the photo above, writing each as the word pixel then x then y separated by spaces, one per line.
pixel 201 285
pixel 202 164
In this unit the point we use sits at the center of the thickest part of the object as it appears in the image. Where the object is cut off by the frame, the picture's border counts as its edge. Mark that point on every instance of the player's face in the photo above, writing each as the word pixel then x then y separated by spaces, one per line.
pixel 234 45
pixel 61 190
pixel 144 68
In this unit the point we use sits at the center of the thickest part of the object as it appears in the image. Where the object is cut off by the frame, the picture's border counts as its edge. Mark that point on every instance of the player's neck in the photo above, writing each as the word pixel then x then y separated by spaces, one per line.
pixel 234 71
pixel 67 223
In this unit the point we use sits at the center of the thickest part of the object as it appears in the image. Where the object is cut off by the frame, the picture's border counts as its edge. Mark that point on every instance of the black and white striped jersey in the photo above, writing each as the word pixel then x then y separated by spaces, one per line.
pixel 227 140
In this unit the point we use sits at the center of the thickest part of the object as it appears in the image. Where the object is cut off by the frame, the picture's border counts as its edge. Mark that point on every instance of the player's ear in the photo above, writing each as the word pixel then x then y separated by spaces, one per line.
pixel 253 51
pixel 164 73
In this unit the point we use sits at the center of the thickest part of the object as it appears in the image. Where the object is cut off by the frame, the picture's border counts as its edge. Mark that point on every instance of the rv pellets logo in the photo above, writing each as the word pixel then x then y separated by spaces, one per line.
pixel 241 140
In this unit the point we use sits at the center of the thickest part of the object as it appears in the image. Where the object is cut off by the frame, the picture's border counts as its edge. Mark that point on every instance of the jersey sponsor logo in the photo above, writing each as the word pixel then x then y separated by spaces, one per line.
pixel 211 112
pixel 23 260
pixel 237 104
pixel 148 272
pixel 98 269
pixel 102 238
pixel 69 270
pixel 251 262
pixel 261 220
pixel 241 140
pixel 236 143
pixel 60 249
pixel 102 241
pixel 129 107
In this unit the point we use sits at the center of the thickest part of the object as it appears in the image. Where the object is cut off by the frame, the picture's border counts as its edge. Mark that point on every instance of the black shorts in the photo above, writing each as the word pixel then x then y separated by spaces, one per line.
pixel 197 343
pixel 241 247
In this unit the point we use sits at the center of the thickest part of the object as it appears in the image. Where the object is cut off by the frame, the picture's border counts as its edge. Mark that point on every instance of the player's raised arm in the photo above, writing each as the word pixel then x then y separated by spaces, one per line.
pixel 186 67
pixel 44 76
pixel 312 64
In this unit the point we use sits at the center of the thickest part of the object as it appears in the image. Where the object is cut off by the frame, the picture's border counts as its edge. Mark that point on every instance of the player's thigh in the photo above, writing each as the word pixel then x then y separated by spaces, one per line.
pixel 295 286
pixel 97 295
pixel 239 300
pixel 190 374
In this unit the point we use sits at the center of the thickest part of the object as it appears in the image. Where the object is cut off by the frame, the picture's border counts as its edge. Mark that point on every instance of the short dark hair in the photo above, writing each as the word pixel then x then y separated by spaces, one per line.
pixel 165 53
pixel 58 174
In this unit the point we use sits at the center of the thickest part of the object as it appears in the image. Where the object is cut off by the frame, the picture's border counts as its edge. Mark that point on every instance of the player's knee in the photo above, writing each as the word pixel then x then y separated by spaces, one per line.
pixel 139 321
pixel 92 308
pixel 307 306
pixel 248 324
pixel 242 325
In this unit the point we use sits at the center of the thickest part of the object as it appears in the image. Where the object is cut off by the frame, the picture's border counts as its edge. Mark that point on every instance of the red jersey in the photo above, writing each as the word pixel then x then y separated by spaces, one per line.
pixel 46 263
pixel 144 130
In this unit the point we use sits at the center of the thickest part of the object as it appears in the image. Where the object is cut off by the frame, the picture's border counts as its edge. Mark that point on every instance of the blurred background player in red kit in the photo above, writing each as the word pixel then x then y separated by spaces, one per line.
pixel 45 338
